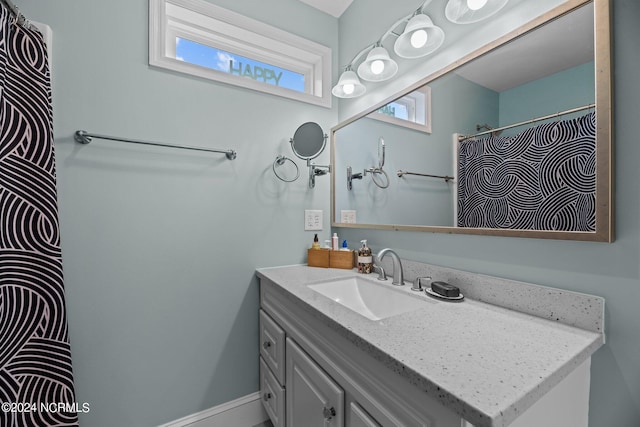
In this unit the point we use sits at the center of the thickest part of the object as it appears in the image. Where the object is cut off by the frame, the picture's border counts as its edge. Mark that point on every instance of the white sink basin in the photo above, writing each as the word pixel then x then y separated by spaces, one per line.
pixel 372 300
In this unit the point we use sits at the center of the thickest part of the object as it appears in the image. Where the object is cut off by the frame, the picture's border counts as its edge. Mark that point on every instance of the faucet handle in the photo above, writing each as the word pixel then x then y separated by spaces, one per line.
pixel 417 283
pixel 381 274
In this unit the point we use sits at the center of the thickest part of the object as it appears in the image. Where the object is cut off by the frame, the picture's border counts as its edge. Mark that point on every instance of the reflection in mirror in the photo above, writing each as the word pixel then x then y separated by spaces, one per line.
pixel 412 111
pixel 545 73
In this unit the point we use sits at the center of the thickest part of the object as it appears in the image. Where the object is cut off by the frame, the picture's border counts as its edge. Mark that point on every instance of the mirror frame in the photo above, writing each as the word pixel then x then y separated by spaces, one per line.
pixel 604 132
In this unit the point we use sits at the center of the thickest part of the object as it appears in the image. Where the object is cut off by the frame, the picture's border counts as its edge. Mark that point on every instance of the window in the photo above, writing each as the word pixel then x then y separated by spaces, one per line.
pixel 205 40
pixel 412 111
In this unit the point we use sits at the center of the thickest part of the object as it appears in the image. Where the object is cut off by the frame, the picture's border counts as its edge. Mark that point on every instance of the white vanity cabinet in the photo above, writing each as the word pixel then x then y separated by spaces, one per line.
pixel 328 381
pixel 323 365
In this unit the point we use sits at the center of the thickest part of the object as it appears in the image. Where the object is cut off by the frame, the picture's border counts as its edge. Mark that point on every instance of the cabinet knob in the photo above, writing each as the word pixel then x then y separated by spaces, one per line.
pixel 328 413
pixel 266 344
pixel 266 396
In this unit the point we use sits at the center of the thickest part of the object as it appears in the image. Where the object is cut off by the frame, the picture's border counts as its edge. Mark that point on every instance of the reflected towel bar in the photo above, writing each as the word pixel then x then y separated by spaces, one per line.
pixel 445 177
pixel 84 137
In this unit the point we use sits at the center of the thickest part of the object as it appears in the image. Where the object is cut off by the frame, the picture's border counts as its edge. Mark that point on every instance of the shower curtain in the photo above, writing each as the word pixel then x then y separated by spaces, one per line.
pixel 36 379
pixel 540 179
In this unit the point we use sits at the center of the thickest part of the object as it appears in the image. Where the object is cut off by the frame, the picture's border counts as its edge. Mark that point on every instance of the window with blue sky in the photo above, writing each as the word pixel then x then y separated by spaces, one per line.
pixel 226 62
pixel 198 38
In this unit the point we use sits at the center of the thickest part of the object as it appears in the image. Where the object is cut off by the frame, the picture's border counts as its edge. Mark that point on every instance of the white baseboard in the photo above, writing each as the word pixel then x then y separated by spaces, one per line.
pixel 246 411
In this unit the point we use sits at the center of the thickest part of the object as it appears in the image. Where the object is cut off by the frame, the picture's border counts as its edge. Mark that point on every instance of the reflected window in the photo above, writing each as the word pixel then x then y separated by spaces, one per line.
pixel 412 111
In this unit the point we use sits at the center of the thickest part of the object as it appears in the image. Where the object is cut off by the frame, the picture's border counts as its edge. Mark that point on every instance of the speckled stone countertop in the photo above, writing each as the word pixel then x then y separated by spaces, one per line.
pixel 485 362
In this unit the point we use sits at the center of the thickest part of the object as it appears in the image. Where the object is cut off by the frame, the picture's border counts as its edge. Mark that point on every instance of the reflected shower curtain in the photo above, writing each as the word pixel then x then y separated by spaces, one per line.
pixel 543 178
pixel 36 379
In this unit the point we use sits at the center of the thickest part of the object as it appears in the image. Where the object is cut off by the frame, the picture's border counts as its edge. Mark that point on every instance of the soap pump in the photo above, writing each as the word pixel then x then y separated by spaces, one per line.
pixel 365 260
pixel 316 243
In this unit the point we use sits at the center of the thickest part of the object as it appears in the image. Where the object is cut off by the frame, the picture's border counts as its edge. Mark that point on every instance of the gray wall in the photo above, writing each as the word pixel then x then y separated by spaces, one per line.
pixel 609 270
pixel 558 92
pixel 160 245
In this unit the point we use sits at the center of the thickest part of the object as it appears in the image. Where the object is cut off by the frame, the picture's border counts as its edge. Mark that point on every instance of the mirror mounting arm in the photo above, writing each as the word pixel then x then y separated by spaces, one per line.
pixel 316 170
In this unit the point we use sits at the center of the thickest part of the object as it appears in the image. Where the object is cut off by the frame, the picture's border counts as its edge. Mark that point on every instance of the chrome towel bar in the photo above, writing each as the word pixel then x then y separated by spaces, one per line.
pixel 84 137
pixel 445 177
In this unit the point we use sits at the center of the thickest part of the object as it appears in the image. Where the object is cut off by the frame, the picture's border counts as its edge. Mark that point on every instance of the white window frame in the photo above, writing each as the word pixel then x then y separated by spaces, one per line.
pixel 208 24
pixel 418 105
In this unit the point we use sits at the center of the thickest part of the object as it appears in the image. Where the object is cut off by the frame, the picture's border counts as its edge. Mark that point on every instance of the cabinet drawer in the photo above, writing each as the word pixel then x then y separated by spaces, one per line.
pixel 273 396
pixel 272 344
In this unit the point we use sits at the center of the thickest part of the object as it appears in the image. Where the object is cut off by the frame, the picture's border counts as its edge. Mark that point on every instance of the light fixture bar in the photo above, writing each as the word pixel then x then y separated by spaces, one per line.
pixel 420 37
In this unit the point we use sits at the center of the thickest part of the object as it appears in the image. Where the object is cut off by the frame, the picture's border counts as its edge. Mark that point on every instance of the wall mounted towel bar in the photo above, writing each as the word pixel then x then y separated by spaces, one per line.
pixel 445 177
pixel 84 137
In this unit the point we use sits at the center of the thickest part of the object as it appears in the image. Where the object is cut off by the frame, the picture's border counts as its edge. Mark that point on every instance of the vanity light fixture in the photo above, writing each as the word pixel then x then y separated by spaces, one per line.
pixel 349 85
pixel 470 11
pixel 419 38
pixel 378 66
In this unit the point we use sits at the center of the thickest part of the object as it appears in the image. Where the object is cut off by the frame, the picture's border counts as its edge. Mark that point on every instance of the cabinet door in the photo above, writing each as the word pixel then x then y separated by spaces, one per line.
pixel 313 398
pixel 358 417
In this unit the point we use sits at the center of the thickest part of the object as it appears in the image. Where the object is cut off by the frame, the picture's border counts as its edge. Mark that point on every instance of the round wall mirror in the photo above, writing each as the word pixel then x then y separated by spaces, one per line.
pixel 308 141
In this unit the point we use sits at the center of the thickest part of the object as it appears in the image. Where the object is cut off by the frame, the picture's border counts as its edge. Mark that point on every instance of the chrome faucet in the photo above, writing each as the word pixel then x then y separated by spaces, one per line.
pixel 398 276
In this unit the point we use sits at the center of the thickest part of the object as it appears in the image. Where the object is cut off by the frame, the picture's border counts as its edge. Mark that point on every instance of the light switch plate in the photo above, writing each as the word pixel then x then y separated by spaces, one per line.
pixel 348 217
pixel 312 220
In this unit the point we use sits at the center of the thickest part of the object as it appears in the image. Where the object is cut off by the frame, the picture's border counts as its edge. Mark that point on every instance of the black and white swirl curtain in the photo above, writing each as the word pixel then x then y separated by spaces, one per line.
pixel 36 379
pixel 541 179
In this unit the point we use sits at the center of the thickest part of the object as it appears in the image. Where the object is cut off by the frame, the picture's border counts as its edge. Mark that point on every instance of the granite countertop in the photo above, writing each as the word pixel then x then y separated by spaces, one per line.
pixel 485 362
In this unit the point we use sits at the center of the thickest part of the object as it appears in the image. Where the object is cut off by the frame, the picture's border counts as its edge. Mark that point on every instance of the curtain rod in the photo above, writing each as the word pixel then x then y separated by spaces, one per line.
pixel 445 177
pixel 550 116
pixel 84 137
pixel 20 18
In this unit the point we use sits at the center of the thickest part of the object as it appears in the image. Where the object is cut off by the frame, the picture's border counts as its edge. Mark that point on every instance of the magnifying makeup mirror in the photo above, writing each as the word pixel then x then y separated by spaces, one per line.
pixel 307 143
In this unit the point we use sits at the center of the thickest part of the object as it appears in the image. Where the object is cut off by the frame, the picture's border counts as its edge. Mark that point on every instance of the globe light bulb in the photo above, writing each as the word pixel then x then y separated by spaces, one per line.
pixel 418 39
pixel 476 4
pixel 377 67
pixel 348 88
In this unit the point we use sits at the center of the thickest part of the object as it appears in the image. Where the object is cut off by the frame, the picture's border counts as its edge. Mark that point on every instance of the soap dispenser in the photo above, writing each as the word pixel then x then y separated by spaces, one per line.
pixel 365 260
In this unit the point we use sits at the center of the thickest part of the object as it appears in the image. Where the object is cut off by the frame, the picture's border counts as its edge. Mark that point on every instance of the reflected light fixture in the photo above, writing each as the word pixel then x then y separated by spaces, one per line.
pixel 470 11
pixel 378 66
pixel 349 86
pixel 419 38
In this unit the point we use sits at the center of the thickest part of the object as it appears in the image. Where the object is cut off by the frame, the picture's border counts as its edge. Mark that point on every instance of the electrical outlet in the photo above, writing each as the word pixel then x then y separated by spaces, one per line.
pixel 348 217
pixel 312 220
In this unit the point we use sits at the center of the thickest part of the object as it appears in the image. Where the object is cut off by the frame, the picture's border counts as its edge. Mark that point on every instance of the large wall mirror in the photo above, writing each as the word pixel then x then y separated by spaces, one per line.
pixel 468 170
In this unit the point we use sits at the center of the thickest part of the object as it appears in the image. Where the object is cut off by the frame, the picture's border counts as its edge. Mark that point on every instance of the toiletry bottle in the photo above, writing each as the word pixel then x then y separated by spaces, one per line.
pixel 334 242
pixel 316 243
pixel 365 260
pixel 344 246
